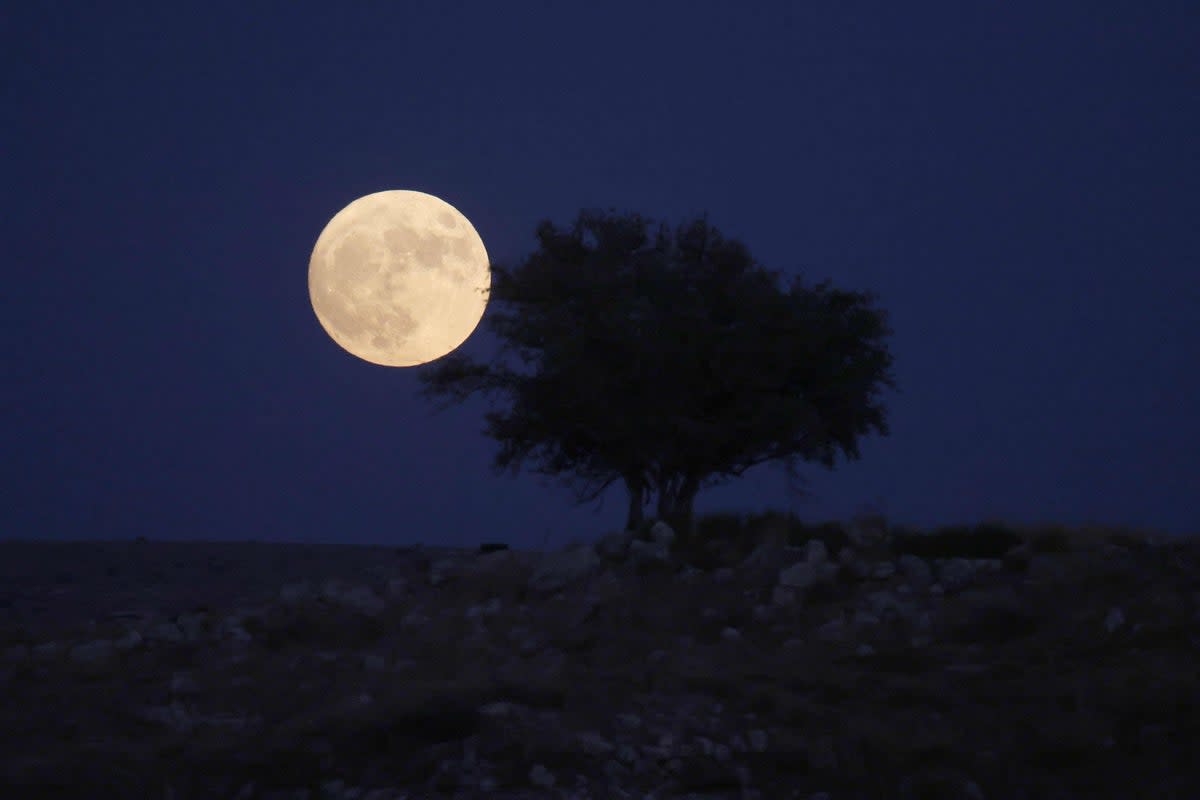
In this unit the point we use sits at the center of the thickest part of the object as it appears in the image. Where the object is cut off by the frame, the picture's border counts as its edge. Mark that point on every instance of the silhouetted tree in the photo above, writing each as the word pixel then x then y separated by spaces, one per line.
pixel 668 360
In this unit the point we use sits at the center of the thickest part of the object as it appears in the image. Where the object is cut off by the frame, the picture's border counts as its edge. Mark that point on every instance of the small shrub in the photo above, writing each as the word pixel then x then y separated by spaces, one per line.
pixel 757 525
pixel 995 539
pixel 987 540
pixel 315 624
pixel 717 540
pixel 1017 560
pixel 996 624
pixel 1130 541
pixel 821 593
pixel 1050 541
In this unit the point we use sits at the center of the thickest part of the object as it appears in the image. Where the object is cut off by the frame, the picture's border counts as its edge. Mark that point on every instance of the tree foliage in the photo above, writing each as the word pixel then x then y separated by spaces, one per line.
pixel 669 360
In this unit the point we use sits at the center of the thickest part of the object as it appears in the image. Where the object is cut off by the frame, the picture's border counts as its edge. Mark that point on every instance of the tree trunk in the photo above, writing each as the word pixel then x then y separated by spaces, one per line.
pixel 637 497
pixel 675 501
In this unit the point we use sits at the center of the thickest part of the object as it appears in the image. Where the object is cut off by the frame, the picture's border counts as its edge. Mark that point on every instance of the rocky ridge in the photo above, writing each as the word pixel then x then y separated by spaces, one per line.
pixel 617 669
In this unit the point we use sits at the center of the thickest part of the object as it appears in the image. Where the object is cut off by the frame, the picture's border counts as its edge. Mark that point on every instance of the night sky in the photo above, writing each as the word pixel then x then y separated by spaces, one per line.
pixel 1016 181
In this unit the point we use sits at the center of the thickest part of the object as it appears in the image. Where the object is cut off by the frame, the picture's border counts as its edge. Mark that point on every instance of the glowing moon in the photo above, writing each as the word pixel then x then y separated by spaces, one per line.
pixel 398 278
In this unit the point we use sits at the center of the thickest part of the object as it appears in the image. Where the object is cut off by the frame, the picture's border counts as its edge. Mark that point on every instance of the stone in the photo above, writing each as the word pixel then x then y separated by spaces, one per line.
pixel 46 650
pixel 1046 569
pixel 556 570
pixel 17 653
pixel 805 574
pixel 661 533
pixel 1017 558
pixel 194 626
pixel 815 552
pixel 883 570
pixel 916 571
pixel 955 574
pixel 783 595
pixel 183 684
pixel 644 555
pixel 168 632
pixel 97 652
pixel 614 546
pixel 295 593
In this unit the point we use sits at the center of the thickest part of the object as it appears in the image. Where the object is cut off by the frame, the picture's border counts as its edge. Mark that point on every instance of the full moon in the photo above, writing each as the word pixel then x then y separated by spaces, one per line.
pixel 399 278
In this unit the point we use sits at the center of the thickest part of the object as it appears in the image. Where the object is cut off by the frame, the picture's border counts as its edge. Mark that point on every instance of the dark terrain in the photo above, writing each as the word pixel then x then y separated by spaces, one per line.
pixel 684 681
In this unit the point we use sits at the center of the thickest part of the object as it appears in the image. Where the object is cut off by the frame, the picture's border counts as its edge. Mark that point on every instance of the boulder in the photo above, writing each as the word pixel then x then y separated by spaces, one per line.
pixel 806 574
pixel 916 571
pixel 556 570
pixel 614 546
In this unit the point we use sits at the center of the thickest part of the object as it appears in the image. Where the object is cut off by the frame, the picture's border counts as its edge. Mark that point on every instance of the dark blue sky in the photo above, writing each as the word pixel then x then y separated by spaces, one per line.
pixel 1017 181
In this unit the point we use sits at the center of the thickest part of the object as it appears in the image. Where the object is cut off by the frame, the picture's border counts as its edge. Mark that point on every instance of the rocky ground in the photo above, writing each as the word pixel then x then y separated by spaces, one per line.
pixel 630 667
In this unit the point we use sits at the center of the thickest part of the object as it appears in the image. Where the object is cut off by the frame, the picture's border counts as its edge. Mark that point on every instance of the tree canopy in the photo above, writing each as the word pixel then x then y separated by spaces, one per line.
pixel 669 360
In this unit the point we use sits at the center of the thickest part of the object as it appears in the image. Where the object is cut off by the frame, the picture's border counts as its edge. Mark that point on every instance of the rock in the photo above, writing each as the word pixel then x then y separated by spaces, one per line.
pixel 98 652
pixel 805 574
pixel 489 609
pixel 594 744
pixel 833 631
pixel 129 641
pixel 887 606
pixel 883 570
pixel 46 650
pixel 723 575
pixel 397 588
pixel 361 599
pixel 955 574
pixel 648 555
pixel 183 684
pixel 815 552
pixel 295 593
pixel 1114 620
pixel 541 777
pixel 865 618
pixel 661 533
pixel 822 754
pixel 556 570
pixel 614 546
pixel 857 567
pixel 1017 559
pixel 917 571
pixel 442 571
pixel 194 626
pixel 166 632
pixel 1046 569
pixel 373 662
pixel 17 653
pixel 939 782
